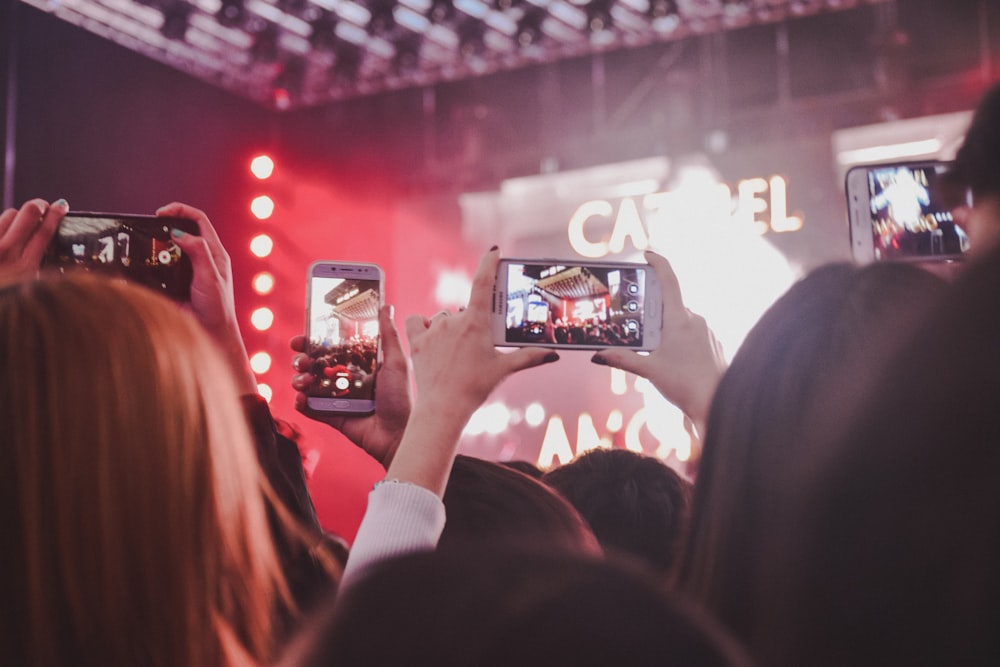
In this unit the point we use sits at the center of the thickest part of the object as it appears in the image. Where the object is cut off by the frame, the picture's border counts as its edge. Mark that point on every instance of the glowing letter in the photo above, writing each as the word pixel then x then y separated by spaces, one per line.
pixel 555 444
pixel 780 221
pixel 586 435
pixel 632 442
pixel 628 224
pixel 750 204
pixel 618 386
pixel 579 242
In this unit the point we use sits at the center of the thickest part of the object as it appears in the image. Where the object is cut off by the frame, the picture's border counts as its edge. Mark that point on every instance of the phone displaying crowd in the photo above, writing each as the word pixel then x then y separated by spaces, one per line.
pixel 898 213
pixel 569 304
pixel 133 247
pixel 343 336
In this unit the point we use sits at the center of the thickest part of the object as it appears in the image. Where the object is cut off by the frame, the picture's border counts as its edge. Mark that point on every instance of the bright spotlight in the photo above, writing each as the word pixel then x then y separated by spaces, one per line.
pixel 265 391
pixel 534 414
pixel 263 282
pixel 262 319
pixel 260 363
pixel 262 207
pixel 261 245
pixel 262 166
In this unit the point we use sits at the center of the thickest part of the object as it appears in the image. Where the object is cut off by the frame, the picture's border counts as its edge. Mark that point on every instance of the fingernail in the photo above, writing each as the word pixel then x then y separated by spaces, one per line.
pixel 177 233
pixel 494 248
pixel 550 357
pixel 599 360
pixel 61 202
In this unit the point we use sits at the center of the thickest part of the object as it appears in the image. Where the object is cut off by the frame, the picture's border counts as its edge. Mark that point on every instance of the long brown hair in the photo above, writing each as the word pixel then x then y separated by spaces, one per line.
pixel 133 505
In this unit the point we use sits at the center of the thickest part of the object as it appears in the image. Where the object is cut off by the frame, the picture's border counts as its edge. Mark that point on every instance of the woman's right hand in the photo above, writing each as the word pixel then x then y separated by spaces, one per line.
pixel 379 433
pixel 25 233
pixel 687 364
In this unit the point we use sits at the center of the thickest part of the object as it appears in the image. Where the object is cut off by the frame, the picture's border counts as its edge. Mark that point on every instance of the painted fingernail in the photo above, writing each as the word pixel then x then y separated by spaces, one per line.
pixel 177 233
pixel 494 248
pixel 550 357
pixel 599 360
pixel 61 202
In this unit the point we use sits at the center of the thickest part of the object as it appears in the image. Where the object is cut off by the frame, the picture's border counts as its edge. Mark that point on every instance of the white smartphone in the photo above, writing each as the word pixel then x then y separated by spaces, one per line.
pixel 574 304
pixel 343 301
pixel 898 212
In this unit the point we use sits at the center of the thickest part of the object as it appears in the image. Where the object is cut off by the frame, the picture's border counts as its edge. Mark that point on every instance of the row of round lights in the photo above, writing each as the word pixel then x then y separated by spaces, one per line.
pixel 263 282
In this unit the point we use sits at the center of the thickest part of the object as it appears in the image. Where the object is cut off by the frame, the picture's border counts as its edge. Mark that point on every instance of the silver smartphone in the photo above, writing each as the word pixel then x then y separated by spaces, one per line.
pixel 574 304
pixel 899 212
pixel 343 302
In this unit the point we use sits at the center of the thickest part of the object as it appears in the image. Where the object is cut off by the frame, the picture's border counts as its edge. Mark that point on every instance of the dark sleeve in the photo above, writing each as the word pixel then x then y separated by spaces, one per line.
pixel 281 461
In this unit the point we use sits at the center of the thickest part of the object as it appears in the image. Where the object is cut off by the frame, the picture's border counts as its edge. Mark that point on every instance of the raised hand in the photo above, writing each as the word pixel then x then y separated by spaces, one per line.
pixel 25 233
pixel 687 364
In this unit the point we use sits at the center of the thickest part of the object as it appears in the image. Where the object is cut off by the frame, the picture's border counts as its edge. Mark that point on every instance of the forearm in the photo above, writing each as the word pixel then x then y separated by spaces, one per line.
pixel 429 444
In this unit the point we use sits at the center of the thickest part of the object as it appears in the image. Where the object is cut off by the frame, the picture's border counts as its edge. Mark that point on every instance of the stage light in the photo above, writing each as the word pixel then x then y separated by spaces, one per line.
pixel 287 85
pixel 262 167
pixel 453 289
pixel 262 318
pixel 534 414
pixel 261 245
pixel 265 391
pixel 598 15
pixel 175 20
pixel 262 207
pixel 231 14
pixel 263 283
pixel 260 363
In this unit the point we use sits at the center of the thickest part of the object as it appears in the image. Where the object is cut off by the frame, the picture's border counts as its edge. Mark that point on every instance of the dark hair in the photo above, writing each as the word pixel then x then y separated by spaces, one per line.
pixel 497 606
pixel 489 501
pixel 838 319
pixel 977 163
pixel 635 504
pixel 527 467
pixel 889 553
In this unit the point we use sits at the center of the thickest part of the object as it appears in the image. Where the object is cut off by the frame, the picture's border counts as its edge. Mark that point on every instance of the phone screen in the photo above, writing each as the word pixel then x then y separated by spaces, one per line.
pixel 569 305
pixel 134 247
pixel 343 332
pixel 908 218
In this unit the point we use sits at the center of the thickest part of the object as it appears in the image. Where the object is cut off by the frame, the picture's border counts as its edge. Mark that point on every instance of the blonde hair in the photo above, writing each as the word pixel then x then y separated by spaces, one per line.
pixel 133 506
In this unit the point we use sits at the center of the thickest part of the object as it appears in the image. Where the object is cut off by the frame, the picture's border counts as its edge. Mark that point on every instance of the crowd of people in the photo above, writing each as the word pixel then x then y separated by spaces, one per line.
pixel 843 511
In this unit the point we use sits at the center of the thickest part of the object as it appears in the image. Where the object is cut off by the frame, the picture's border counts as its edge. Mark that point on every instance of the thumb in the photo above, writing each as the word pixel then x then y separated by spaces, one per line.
pixel 626 360
pixel 529 357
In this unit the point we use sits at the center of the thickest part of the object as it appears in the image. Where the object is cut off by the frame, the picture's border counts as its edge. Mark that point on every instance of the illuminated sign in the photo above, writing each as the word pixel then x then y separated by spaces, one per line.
pixel 761 204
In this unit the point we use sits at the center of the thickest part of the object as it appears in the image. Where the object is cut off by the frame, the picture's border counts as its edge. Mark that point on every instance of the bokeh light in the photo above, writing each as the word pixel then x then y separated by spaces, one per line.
pixel 261 245
pixel 260 362
pixel 263 282
pixel 262 207
pixel 262 319
pixel 262 166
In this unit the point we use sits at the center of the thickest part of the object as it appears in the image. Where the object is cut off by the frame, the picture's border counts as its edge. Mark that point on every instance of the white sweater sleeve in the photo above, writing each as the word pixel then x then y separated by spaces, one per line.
pixel 400 519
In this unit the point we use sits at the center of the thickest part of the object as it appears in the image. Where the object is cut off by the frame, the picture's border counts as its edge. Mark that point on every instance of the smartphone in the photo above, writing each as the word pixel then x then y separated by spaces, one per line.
pixel 573 304
pixel 343 301
pixel 138 248
pixel 900 212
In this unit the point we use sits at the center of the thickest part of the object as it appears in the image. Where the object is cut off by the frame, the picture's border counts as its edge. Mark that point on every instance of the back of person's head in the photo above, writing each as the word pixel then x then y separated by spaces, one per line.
pixel 135 528
pixel 886 550
pixel 497 606
pixel 839 319
pixel 635 504
pixel 487 501
pixel 527 467
pixel 977 163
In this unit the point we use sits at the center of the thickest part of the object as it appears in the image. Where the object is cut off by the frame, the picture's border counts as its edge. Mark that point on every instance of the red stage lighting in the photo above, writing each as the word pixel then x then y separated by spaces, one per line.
pixel 260 362
pixel 262 207
pixel 263 282
pixel 262 318
pixel 261 245
pixel 262 166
